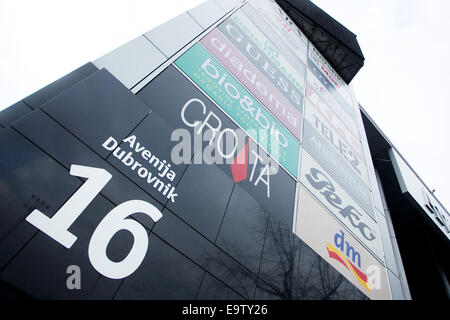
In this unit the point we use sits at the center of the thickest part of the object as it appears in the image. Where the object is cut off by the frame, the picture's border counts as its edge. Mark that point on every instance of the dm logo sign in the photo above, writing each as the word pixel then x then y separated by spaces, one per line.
pixel 326 236
pixel 344 253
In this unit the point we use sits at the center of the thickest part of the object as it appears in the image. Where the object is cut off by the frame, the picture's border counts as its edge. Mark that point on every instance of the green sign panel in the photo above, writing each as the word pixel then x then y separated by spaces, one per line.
pixel 241 106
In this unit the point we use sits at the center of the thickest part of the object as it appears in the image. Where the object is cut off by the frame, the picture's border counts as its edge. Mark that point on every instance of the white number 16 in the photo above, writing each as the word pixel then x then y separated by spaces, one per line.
pixel 116 220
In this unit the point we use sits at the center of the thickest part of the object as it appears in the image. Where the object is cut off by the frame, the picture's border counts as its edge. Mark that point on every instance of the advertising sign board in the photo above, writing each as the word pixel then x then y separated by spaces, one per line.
pixel 337 84
pixel 343 207
pixel 338 247
pixel 254 80
pixel 263 62
pixel 259 38
pixel 330 159
pixel 290 41
pixel 319 89
pixel 326 130
pixel 202 68
pixel 345 104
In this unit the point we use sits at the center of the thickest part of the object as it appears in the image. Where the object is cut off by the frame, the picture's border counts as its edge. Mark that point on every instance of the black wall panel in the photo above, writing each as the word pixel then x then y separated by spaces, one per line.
pixel 52 90
pixel 13 113
pixel 97 108
pixel 29 180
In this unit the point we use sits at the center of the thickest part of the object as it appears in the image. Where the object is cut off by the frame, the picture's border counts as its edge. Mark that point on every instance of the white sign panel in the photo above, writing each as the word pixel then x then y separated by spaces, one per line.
pixel 283 26
pixel 325 235
pixel 343 207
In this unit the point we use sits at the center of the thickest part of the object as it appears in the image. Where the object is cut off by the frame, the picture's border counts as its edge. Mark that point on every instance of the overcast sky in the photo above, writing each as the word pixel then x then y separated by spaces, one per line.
pixel 403 85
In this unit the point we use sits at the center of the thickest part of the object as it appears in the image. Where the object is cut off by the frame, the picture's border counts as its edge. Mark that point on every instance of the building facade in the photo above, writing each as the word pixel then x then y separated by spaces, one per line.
pixel 222 155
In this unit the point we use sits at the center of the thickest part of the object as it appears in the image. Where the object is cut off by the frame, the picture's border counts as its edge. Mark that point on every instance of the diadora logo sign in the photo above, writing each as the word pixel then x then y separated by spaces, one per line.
pixel 344 253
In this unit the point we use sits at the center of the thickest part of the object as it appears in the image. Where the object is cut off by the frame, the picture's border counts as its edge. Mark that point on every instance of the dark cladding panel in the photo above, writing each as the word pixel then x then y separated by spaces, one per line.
pixel 243 229
pixel 212 289
pixel 156 173
pixel 13 113
pixel 44 257
pixel 280 259
pixel 10 293
pixel 167 96
pixel 52 90
pixel 203 194
pixel 274 193
pixel 60 144
pixel 29 179
pixel 164 274
pixel 169 92
pixel 292 270
pixel 298 273
pixel 195 246
pixel 97 108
